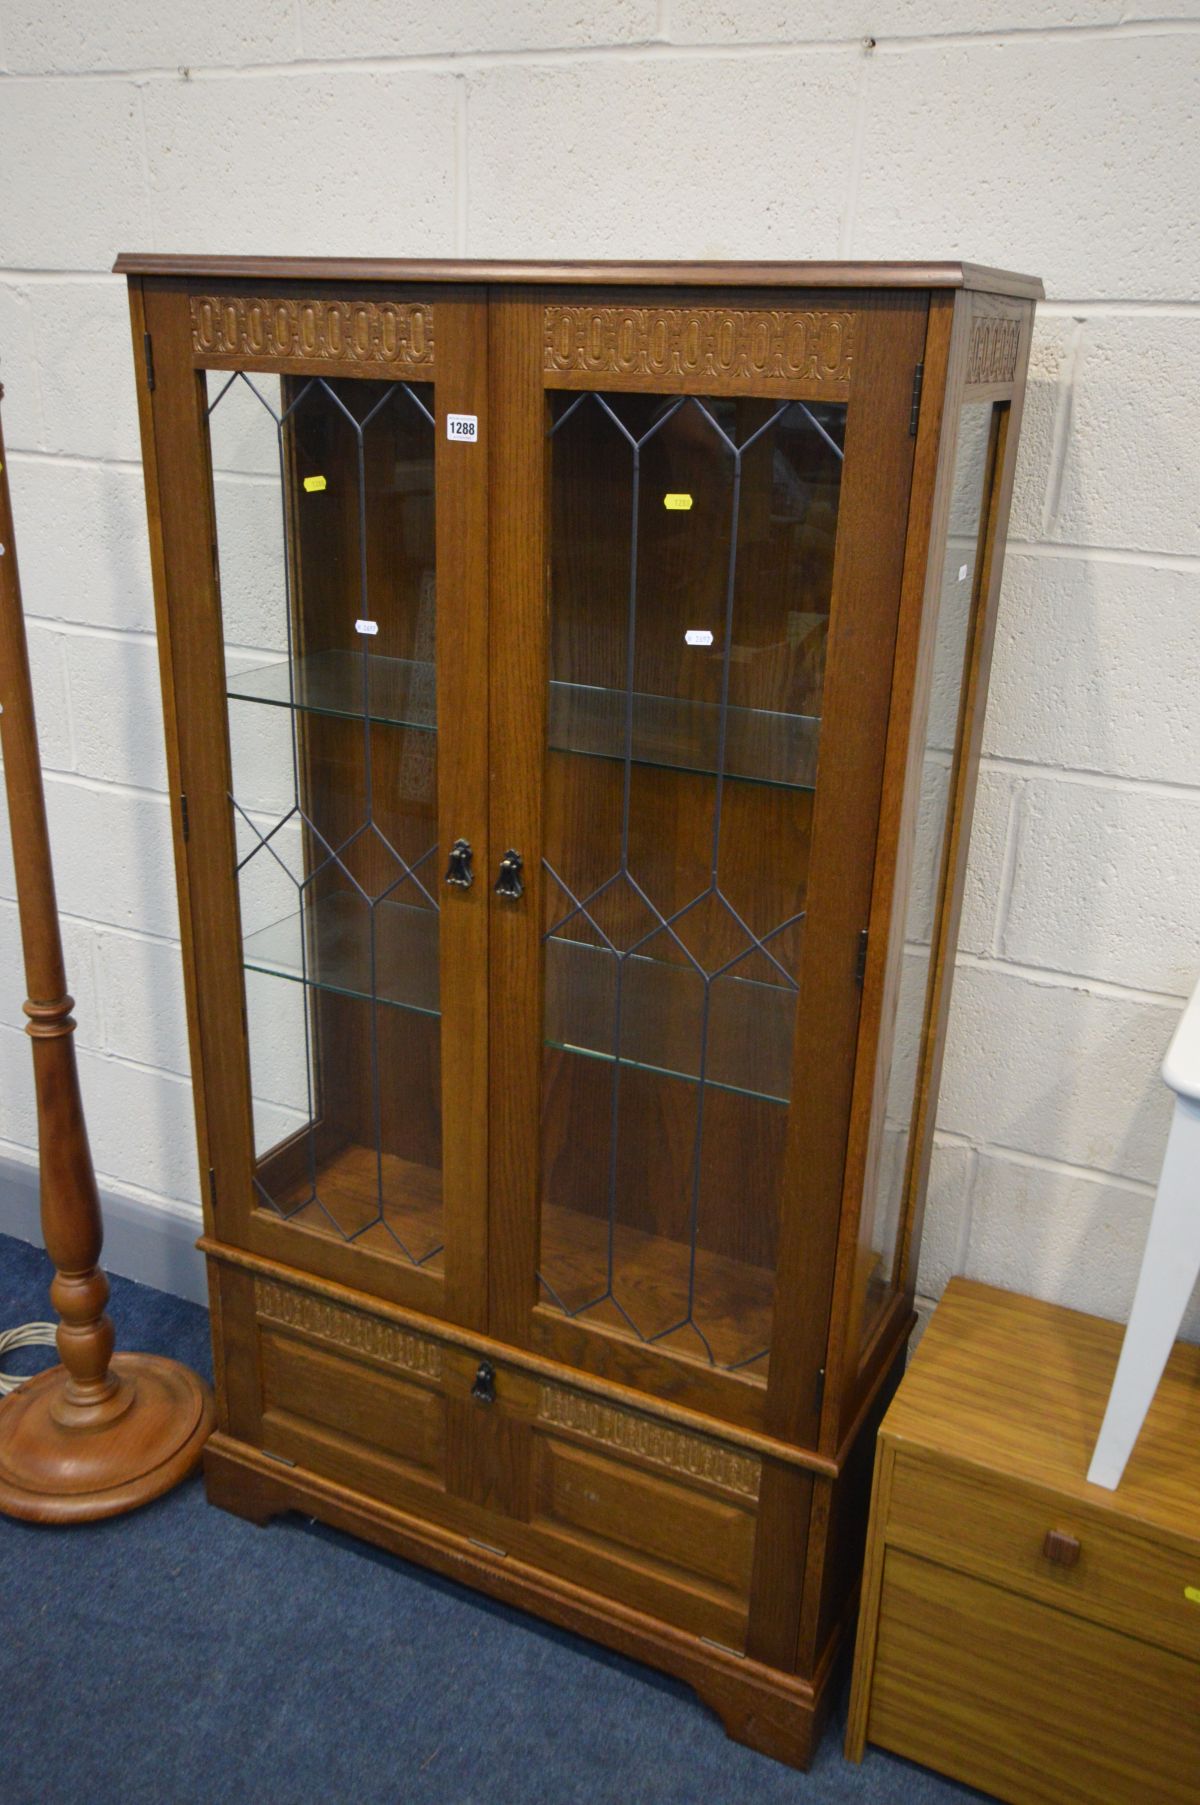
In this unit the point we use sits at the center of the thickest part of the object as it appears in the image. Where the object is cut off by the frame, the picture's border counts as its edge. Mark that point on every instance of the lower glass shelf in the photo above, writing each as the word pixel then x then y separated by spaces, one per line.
pixel 750 1023
pixel 329 947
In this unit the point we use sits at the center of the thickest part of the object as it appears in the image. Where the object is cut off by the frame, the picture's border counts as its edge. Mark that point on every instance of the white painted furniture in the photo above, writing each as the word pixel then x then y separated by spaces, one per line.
pixel 1170 1264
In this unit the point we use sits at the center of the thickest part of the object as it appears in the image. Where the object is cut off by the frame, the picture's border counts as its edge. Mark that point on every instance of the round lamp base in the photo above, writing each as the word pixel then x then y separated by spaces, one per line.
pixel 50 1473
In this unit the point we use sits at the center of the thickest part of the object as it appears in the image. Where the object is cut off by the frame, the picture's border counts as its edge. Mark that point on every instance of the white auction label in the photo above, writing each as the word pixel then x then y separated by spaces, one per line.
pixel 366 626
pixel 698 636
pixel 462 426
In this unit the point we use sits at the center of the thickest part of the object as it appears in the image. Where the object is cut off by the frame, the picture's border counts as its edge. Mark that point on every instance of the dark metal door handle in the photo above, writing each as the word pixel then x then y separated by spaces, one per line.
pixel 459 871
pixel 509 881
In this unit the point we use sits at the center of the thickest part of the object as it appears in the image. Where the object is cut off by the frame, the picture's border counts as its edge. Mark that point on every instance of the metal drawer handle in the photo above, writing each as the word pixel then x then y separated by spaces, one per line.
pixel 484 1388
pixel 1060 1548
pixel 509 881
pixel 459 871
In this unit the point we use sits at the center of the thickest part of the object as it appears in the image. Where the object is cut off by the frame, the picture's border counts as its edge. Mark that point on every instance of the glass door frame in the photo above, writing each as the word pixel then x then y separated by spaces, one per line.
pixel 887 333
pixel 358 332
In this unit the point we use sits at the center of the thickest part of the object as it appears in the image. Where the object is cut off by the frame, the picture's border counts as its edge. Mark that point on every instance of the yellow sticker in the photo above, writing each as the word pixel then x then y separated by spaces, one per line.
pixel 314 483
pixel 1192 1594
pixel 677 502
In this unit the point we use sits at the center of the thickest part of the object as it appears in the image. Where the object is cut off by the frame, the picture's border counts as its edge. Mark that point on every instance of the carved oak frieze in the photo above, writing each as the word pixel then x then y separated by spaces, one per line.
pixel 664 1446
pixel 349 1328
pixel 393 335
pixel 992 357
pixel 776 347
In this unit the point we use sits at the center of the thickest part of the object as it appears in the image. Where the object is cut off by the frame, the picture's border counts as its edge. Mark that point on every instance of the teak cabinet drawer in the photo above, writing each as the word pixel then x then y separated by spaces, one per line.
pixel 1046 1548
pixel 1028 1702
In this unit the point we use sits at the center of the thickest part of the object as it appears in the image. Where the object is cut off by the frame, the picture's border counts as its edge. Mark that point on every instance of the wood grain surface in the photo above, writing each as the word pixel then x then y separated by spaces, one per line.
pixel 1021 1629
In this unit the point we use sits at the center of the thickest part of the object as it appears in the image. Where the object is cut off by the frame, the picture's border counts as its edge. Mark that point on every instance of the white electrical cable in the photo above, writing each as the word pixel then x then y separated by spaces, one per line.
pixel 30 1334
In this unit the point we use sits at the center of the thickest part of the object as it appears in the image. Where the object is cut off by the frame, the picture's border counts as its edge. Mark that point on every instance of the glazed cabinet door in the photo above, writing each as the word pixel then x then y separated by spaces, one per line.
pixel 699 505
pixel 318 466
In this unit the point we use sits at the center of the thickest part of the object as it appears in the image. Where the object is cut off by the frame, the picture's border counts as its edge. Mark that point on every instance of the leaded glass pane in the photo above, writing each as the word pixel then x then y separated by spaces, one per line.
pixel 324 494
pixel 691 561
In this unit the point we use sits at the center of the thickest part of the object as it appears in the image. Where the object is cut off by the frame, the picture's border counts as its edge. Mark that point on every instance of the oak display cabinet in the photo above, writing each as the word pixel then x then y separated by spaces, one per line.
pixel 573 678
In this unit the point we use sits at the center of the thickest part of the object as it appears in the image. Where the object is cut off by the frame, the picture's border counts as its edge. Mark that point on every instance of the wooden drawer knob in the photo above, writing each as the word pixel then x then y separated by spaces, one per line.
pixel 1061 1548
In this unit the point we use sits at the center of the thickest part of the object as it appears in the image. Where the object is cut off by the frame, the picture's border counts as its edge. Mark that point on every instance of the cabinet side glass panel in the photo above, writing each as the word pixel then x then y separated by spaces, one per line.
pixel 691 559
pixel 324 498
pixel 958 600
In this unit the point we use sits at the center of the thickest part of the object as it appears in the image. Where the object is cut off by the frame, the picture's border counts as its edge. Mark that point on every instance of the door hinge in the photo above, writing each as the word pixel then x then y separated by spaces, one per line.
pixel 860 963
pixel 184 821
pixel 148 353
pixel 212 1187
pixel 819 1390
pixel 281 1458
pixel 915 411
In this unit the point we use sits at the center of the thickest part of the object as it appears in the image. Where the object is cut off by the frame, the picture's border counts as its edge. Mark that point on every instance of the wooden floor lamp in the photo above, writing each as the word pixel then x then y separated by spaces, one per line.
pixel 99 1434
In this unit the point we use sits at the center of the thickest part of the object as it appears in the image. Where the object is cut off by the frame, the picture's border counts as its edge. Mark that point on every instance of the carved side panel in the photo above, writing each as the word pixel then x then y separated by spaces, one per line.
pixel 715 349
pixel 348 1328
pixel 658 1443
pixel 391 336
pixel 995 343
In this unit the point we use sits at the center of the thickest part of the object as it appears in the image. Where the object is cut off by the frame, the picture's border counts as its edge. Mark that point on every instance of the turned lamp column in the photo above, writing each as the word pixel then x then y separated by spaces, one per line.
pixel 97 1435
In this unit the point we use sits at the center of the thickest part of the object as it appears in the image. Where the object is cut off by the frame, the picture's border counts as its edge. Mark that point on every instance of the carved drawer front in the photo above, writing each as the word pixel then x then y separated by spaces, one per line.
pixel 660 1517
pixel 350 1396
pixel 1064 1555
pixel 1031 1703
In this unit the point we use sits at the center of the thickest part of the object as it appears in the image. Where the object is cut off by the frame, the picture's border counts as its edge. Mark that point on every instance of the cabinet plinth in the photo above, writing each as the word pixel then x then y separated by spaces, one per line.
pixel 573 688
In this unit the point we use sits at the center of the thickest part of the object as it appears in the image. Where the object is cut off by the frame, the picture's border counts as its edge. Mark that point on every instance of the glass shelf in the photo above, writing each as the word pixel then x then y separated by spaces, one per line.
pixel 337 955
pixel 750 1023
pixel 400 691
pixel 678 734
pixel 761 746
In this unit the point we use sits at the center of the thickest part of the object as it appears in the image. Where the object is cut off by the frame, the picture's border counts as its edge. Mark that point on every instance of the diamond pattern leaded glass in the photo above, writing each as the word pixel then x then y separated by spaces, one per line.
pixel 329 623
pixel 691 564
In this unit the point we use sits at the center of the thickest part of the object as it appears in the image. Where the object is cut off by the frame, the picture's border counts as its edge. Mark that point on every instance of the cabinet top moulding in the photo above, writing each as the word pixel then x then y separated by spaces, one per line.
pixel 650 275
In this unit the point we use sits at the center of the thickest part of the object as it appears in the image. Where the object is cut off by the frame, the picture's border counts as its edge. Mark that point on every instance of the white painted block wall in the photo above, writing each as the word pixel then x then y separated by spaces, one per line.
pixel 1058 136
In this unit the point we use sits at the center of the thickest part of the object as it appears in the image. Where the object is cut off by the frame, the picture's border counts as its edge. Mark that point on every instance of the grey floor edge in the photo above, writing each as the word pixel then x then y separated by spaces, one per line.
pixel 155 1247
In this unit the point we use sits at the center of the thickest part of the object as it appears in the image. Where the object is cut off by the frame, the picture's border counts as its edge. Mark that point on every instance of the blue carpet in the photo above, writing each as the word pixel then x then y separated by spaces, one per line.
pixel 179 1656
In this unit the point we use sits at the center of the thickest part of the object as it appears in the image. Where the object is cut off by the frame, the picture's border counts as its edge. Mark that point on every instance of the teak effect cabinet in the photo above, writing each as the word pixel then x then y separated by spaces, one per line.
pixel 574 678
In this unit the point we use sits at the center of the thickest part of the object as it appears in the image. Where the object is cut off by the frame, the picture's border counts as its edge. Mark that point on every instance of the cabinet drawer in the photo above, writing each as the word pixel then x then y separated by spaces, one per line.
pixel 989 1525
pixel 613 1499
pixel 1028 1702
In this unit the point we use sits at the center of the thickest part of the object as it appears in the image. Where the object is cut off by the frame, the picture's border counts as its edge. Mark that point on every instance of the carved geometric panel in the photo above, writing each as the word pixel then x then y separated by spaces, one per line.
pixel 719 348
pixel 389 335
pixel 659 1443
pixel 349 1328
pixel 995 342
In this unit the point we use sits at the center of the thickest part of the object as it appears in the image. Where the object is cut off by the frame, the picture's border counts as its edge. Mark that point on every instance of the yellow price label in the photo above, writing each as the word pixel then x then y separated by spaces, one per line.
pixel 677 503
pixel 314 483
